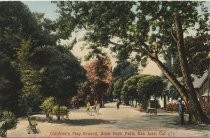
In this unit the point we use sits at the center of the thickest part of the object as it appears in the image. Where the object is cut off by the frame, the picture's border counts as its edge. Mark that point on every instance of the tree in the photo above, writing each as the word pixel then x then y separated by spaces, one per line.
pixel 149 86
pixel 17 23
pixel 15 17
pixel 197 55
pixel 145 29
pixel 99 76
pixel 30 78
pixel 60 72
pixel 125 69
pixel 129 90
pixel 84 93
pixel 47 106
pixel 122 72
pixel 117 88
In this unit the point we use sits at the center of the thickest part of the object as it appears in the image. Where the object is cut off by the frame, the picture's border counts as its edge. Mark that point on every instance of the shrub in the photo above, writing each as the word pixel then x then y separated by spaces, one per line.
pixel 206 109
pixel 47 105
pixel 60 111
pixel 172 107
pixel 9 122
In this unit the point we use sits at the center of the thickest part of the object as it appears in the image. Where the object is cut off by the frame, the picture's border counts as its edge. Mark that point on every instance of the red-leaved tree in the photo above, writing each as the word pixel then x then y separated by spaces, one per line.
pixel 99 74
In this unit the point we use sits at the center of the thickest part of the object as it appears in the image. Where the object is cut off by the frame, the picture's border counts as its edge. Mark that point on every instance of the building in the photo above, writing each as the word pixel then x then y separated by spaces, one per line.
pixel 201 85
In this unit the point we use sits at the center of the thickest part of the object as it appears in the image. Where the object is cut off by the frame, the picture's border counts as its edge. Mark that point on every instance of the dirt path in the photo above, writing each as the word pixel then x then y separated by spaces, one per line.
pixel 125 122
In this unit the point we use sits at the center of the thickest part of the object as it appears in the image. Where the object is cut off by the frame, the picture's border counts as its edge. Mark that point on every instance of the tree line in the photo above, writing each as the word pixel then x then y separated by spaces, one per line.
pixel 34 64
pixel 147 30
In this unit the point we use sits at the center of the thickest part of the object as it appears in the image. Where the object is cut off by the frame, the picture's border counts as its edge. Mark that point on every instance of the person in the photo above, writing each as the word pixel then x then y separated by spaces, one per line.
pixel 97 107
pixel 118 105
pixel 181 110
pixel 88 106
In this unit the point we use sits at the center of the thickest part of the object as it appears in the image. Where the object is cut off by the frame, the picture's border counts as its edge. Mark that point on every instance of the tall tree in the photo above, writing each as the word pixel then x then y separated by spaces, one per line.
pixel 197 55
pixel 149 86
pixel 121 73
pixel 30 78
pixel 60 72
pixel 117 89
pixel 144 29
pixel 100 76
pixel 16 23
pixel 130 88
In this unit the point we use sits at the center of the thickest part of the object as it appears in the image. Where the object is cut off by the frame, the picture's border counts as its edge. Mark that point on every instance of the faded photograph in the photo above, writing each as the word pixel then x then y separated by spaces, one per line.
pixel 105 69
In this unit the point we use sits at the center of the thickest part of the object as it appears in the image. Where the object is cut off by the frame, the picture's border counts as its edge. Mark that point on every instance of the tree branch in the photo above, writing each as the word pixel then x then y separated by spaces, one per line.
pixel 113 43
pixel 175 39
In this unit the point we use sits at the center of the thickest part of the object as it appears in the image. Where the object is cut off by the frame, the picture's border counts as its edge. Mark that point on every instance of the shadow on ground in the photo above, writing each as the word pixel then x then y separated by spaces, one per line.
pixel 159 121
pixel 84 122
pixel 79 122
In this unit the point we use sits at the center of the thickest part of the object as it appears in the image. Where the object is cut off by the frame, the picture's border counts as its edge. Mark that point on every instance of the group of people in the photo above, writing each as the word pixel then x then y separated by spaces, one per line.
pixel 95 107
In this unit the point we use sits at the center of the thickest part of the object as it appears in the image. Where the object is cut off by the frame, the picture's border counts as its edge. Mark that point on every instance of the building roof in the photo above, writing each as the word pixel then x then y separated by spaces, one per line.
pixel 197 81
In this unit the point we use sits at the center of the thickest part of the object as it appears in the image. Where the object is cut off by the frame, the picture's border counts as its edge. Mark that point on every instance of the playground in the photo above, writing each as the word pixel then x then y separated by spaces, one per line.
pixel 110 122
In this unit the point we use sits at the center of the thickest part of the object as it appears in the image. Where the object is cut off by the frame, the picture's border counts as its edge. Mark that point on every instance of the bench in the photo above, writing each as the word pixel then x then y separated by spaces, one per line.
pixel 152 111
pixel 63 113
pixel 32 125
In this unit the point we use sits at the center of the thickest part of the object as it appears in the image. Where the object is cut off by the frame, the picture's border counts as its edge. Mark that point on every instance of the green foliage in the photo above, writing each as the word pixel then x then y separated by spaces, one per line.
pixel 125 69
pixel 10 84
pixel 9 122
pixel 30 78
pixel 17 23
pixel 132 23
pixel 151 85
pixel 197 55
pixel 60 110
pixel 130 89
pixel 139 30
pixel 142 87
pixel 48 104
pixel 117 88
pixel 59 70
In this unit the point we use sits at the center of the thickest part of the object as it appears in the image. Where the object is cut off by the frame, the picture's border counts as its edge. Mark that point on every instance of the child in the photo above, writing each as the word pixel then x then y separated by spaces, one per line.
pixel 88 106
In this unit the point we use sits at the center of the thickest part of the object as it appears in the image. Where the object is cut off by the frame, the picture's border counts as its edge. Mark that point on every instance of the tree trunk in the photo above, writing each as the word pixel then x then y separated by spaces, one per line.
pixel 47 115
pixel 196 109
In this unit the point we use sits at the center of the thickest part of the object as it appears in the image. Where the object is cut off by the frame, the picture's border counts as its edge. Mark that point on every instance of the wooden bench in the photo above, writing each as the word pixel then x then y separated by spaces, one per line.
pixel 152 111
pixel 32 125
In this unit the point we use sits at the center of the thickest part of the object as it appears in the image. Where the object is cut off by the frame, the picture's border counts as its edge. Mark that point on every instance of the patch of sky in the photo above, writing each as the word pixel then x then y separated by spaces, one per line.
pixel 46 7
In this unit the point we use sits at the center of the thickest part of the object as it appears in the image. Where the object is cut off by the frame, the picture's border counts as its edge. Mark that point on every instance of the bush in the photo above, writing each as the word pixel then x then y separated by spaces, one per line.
pixel 60 111
pixel 206 109
pixel 172 107
pixel 48 105
pixel 9 122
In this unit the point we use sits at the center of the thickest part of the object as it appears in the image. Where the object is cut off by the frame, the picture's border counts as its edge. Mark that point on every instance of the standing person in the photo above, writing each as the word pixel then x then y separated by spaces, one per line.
pixel 181 110
pixel 97 106
pixel 118 105
pixel 88 106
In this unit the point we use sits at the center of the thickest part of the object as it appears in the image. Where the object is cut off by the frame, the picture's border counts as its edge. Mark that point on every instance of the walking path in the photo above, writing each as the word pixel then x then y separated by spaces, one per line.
pixel 110 122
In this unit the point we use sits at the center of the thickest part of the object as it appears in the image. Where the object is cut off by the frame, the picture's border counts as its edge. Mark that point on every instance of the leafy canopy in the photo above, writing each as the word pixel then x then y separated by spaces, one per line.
pixel 131 27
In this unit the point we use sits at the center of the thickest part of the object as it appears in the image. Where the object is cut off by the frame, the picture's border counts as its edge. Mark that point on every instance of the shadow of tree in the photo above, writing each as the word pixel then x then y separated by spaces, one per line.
pixel 84 122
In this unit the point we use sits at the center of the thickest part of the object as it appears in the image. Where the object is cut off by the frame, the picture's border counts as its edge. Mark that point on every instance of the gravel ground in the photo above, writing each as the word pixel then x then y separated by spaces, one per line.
pixel 110 122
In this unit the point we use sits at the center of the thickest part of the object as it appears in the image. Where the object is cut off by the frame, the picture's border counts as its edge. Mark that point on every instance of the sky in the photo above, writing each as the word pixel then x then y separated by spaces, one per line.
pixel 50 12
